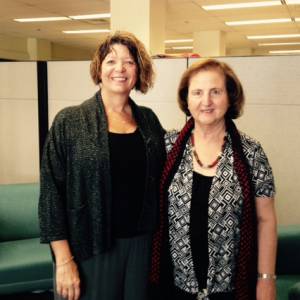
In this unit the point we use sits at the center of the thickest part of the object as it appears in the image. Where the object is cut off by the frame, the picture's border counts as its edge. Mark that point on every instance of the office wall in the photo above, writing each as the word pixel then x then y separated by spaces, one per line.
pixel 162 98
pixel 20 48
pixel 272 116
pixel 61 52
pixel 271 113
pixel 13 48
pixel 19 152
pixel 70 84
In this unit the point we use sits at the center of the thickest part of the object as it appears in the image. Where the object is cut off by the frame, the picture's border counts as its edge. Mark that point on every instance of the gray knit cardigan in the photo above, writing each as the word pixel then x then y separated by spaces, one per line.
pixel 75 185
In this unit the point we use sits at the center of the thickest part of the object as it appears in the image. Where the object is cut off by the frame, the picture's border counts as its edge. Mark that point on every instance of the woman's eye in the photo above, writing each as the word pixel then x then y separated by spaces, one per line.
pixel 216 92
pixel 110 61
pixel 197 93
pixel 130 62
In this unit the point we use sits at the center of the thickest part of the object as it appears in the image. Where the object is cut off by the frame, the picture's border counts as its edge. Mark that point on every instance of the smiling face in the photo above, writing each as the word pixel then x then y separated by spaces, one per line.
pixel 118 71
pixel 207 97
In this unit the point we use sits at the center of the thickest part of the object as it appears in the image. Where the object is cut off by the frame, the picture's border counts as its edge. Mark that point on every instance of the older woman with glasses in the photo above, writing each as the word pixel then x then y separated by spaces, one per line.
pixel 217 236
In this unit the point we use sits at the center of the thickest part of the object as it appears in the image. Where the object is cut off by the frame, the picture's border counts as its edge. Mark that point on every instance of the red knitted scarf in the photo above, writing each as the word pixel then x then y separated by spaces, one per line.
pixel 246 269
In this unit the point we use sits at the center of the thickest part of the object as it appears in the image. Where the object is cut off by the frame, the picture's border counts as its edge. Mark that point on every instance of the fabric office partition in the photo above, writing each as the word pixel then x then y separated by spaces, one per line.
pixel 272 116
pixel 19 147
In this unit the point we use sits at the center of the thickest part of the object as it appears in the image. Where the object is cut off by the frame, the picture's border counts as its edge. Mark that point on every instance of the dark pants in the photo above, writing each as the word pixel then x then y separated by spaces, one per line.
pixel 119 274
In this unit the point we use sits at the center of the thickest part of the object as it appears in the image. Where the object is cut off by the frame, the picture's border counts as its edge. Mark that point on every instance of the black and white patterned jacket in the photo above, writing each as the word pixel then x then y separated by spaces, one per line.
pixel 224 213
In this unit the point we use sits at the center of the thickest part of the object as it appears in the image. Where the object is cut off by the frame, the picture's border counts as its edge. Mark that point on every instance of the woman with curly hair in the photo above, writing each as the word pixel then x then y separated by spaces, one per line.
pixel 99 181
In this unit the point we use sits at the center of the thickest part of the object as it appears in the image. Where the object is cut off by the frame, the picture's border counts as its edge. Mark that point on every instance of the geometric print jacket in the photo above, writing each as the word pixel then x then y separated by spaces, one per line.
pixel 224 213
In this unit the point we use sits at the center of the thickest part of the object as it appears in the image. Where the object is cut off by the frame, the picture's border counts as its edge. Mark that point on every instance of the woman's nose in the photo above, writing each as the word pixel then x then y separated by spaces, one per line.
pixel 119 66
pixel 206 98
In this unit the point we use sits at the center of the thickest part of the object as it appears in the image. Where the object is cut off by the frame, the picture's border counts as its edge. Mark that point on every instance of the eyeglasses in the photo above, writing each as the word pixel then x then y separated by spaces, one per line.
pixel 213 93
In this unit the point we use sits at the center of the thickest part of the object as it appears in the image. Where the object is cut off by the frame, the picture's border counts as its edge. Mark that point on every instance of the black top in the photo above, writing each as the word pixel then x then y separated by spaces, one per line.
pixel 199 226
pixel 128 171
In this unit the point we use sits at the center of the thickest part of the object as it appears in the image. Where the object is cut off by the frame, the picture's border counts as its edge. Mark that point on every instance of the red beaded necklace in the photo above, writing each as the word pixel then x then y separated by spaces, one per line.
pixel 202 165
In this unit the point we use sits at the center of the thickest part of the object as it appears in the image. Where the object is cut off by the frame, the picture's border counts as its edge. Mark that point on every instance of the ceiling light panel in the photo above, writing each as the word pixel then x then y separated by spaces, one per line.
pixel 86 31
pixel 292 2
pixel 278 44
pixel 179 41
pixel 284 51
pixel 182 48
pixel 256 22
pixel 48 19
pixel 273 36
pixel 241 5
pixel 91 17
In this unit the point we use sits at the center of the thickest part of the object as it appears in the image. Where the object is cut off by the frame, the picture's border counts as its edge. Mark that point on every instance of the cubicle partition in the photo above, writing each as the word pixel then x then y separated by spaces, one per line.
pixel 19 137
pixel 271 114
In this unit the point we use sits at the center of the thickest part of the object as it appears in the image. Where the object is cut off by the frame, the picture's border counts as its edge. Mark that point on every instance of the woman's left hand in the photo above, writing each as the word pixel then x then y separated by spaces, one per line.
pixel 266 289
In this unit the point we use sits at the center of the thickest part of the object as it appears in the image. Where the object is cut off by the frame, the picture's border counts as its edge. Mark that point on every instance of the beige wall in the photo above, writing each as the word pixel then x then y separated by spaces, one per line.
pixel 22 49
pixel 60 52
pixel 13 48
pixel 271 114
pixel 19 158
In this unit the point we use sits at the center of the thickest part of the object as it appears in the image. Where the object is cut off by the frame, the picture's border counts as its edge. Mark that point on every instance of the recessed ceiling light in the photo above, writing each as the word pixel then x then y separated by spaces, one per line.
pixel 86 31
pixel 48 19
pixel 284 51
pixel 179 41
pixel 241 5
pixel 182 48
pixel 292 1
pixel 278 44
pixel 90 17
pixel 274 36
pixel 254 22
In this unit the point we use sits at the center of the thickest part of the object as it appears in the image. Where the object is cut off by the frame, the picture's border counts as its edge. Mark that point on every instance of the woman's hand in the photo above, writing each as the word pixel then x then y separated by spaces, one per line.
pixel 266 289
pixel 68 281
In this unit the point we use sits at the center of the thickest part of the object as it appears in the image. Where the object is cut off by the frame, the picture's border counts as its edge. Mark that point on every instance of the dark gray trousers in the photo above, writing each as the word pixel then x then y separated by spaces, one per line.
pixel 120 274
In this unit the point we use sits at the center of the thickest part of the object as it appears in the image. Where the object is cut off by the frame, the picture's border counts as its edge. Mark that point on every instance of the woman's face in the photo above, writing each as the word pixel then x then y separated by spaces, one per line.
pixel 118 71
pixel 207 97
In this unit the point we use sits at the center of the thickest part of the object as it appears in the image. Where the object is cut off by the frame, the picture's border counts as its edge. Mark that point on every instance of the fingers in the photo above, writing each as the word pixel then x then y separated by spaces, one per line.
pixel 77 292
pixel 70 293
pixel 74 291
pixel 68 282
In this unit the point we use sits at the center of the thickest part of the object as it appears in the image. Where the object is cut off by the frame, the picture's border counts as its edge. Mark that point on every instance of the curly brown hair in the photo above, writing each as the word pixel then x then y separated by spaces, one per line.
pixel 145 72
pixel 233 86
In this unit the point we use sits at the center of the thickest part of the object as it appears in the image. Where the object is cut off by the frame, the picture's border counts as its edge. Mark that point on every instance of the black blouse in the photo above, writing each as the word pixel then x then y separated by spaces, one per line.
pixel 199 226
pixel 128 171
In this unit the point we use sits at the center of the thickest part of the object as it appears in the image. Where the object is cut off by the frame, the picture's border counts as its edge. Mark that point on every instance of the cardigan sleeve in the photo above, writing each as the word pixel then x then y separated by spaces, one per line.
pixel 52 201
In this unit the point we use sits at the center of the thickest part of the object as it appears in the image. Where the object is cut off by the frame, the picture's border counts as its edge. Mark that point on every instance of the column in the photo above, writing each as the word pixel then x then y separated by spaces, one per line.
pixel 38 49
pixel 209 43
pixel 143 18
